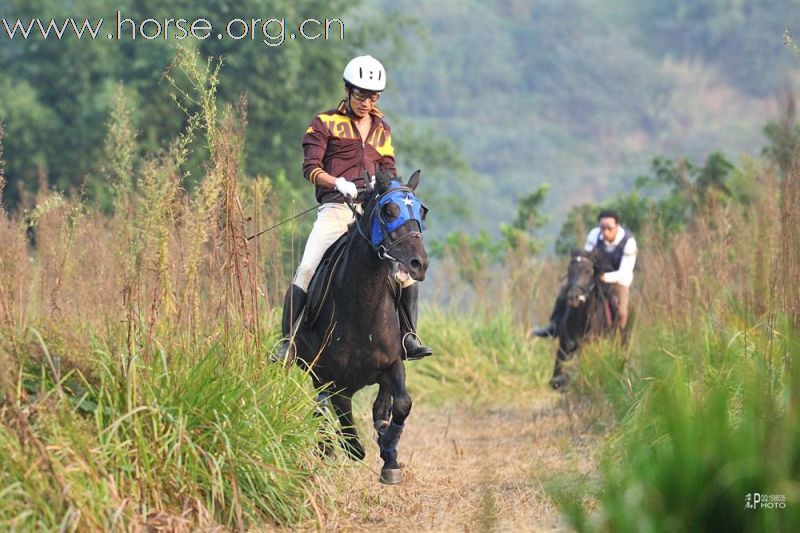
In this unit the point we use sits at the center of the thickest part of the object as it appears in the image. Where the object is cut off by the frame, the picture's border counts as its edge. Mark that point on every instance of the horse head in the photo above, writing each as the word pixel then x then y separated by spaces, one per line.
pixel 580 278
pixel 395 219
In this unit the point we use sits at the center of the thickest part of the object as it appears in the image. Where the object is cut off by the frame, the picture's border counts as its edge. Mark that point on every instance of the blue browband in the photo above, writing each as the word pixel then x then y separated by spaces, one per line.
pixel 410 209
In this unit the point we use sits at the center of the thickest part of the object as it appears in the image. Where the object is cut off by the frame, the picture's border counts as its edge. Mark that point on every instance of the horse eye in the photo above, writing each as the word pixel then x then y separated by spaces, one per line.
pixel 423 213
pixel 390 211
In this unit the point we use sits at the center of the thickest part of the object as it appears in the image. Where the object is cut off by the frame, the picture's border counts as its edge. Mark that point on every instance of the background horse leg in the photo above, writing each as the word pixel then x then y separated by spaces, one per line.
pixel 389 439
pixel 559 379
pixel 344 409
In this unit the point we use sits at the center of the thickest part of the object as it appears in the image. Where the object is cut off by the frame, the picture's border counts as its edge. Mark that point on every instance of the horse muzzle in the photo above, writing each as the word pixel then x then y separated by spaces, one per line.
pixel 576 299
pixel 417 267
pixel 414 267
pixel 408 253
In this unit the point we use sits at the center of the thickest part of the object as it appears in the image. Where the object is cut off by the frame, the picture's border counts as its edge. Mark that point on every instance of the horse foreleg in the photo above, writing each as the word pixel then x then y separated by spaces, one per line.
pixel 390 438
pixel 344 410
pixel 323 407
pixel 382 406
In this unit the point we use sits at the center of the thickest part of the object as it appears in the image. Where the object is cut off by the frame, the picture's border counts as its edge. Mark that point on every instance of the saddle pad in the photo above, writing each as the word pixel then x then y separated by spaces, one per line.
pixel 610 304
pixel 320 284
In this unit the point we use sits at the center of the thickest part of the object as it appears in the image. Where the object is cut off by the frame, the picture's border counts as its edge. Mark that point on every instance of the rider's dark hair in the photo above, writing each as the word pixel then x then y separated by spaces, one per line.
pixel 608 213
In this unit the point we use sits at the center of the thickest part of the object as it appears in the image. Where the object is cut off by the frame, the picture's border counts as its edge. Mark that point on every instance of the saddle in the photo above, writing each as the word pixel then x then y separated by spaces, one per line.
pixel 610 304
pixel 320 285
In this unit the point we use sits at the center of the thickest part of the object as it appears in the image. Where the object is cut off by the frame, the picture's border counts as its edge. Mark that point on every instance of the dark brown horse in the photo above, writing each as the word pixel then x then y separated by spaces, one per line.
pixel 355 338
pixel 590 311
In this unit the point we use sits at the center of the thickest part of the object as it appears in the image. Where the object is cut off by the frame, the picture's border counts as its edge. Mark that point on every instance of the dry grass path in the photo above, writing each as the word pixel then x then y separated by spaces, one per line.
pixel 468 470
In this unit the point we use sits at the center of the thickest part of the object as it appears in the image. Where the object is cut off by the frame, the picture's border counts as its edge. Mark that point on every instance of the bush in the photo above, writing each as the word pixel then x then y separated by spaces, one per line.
pixel 212 439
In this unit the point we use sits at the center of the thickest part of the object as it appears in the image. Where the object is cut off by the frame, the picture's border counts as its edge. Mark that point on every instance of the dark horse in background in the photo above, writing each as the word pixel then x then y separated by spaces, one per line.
pixel 591 309
pixel 354 338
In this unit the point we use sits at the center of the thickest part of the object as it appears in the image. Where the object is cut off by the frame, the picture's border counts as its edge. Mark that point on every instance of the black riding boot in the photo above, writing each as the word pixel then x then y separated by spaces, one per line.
pixel 293 304
pixel 408 324
pixel 559 308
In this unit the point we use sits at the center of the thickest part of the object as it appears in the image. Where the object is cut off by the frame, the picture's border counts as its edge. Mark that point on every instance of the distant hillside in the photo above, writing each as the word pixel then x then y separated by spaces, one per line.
pixel 491 99
pixel 582 95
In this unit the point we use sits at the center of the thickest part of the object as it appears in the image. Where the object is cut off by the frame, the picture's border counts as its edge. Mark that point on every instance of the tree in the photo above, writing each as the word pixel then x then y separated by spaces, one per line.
pixel 671 196
pixel 783 136
pixel 57 94
pixel 520 234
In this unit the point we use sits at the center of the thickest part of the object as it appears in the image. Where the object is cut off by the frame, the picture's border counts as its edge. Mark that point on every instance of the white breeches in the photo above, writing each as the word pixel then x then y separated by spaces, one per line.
pixel 331 223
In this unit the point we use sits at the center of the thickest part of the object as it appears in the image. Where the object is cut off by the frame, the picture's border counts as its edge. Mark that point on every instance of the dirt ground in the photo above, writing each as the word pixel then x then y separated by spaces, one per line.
pixel 469 471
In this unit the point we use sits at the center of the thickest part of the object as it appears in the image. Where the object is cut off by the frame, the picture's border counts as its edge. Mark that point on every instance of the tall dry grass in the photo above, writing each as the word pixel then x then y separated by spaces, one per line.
pixel 170 263
pixel 134 345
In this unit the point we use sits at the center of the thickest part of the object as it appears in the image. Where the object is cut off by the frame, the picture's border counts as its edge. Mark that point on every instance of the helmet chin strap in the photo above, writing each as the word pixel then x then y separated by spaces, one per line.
pixel 349 107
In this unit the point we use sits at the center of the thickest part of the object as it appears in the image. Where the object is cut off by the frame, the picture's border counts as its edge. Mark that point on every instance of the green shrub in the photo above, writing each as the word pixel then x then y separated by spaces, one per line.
pixel 217 438
pixel 709 420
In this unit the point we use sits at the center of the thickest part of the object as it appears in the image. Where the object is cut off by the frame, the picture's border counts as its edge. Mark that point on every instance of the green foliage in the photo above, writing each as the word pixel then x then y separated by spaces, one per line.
pixel 492 358
pixel 239 435
pixel 669 198
pixel 62 90
pixel 722 32
pixel 162 418
pixel 783 136
pixel 477 255
pixel 583 101
pixel 445 173
pixel 707 420
pixel 120 152
pixel 529 219
pixel 56 95
pixel 577 100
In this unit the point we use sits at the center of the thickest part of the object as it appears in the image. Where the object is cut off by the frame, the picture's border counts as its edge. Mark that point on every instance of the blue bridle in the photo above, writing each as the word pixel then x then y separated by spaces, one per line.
pixel 410 208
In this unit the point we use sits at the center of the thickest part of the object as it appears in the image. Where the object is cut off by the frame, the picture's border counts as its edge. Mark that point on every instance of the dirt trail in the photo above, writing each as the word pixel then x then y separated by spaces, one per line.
pixel 470 471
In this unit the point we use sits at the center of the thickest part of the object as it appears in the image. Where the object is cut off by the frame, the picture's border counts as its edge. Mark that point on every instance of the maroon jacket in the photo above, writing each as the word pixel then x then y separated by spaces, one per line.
pixel 332 143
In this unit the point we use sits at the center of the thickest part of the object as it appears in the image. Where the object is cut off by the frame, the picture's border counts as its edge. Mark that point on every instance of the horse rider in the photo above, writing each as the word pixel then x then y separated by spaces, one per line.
pixel 340 146
pixel 617 248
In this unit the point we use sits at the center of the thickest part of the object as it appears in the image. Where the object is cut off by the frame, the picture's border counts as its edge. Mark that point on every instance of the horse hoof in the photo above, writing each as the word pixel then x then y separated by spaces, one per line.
pixel 355 451
pixel 391 476
pixel 325 449
pixel 558 382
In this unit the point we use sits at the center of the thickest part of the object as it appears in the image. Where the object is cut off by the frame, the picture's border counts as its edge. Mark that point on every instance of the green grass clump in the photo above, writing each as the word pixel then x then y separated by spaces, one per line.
pixel 210 439
pixel 478 357
pixel 708 420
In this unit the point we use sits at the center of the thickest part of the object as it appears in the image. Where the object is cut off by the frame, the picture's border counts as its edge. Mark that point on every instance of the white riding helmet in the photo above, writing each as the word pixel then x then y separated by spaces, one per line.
pixel 365 72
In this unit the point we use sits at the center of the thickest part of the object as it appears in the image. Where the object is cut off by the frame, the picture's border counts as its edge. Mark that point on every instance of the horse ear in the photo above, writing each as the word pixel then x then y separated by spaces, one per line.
pixel 382 182
pixel 575 252
pixel 413 181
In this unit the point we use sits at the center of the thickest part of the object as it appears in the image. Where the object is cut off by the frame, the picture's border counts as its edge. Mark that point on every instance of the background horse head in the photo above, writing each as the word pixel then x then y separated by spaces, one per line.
pixel 356 339
pixel 581 279
pixel 589 312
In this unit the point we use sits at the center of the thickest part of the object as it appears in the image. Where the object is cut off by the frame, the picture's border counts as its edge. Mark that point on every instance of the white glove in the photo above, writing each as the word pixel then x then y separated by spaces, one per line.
pixel 347 188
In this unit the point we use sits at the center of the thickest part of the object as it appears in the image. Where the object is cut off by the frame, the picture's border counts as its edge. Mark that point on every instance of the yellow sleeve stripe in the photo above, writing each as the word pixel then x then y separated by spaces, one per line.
pixel 314 175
